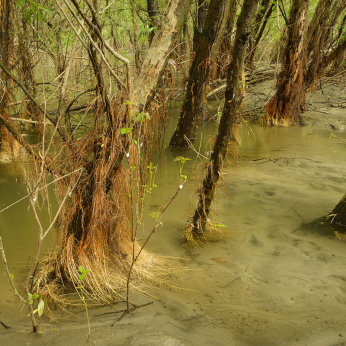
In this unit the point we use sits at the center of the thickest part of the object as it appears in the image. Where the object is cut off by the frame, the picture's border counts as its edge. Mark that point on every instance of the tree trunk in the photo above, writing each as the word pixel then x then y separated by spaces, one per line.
pixel 315 41
pixel 318 36
pixel 6 51
pixel 263 15
pixel 333 223
pixel 95 231
pixel 25 60
pixel 224 50
pixel 193 105
pixel 153 13
pixel 156 57
pixel 338 216
pixel 135 37
pixel 286 106
pixel 229 120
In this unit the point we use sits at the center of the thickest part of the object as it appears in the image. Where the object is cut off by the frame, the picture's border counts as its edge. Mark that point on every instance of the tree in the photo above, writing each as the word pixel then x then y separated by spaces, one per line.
pixel 308 52
pixel 265 11
pixel 194 102
pixel 6 51
pixel 228 123
pixel 95 169
pixel 286 106
pixel 222 49
pixel 154 16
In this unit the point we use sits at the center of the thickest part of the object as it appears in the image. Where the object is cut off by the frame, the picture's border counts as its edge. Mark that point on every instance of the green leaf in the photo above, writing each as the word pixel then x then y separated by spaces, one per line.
pixel 28 16
pixel 140 117
pixel 134 141
pixel 125 130
pixel 81 269
pixel 35 296
pixel 33 9
pixel 154 185
pixel 39 16
pixel 11 276
pixel 40 308
pixel 220 225
pixel 30 295
pixel 184 176
pixel 20 3
pixel 154 215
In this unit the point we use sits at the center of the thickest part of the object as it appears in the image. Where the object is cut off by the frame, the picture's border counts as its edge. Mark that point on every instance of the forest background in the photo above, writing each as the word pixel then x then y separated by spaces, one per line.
pixel 94 79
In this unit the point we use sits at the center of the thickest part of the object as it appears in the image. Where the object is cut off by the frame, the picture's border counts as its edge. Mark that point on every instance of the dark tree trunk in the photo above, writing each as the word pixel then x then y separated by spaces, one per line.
pixel 25 61
pixel 229 120
pixel 263 15
pixel 6 50
pixel 338 216
pixel 286 106
pixel 333 223
pixel 315 41
pixel 224 49
pixel 193 106
pixel 153 13
pixel 336 11
pixel 325 16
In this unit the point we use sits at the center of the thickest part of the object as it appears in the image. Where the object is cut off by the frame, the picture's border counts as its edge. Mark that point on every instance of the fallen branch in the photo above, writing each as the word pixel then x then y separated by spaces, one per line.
pixel 4 325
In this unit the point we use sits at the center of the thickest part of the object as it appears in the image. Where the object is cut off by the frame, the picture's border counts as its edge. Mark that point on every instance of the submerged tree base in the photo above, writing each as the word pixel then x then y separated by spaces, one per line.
pixel 324 226
pixel 58 281
pixel 213 232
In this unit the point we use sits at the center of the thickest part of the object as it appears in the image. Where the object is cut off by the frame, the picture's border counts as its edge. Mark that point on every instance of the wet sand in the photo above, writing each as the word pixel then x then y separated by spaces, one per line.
pixel 268 283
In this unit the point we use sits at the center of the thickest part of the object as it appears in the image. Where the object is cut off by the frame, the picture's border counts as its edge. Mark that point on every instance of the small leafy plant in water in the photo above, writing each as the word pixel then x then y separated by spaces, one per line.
pixel 182 161
pixel 82 275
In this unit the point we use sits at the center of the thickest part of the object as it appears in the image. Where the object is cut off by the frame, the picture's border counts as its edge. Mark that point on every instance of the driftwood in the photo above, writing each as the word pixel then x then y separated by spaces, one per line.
pixel 261 74
pixel 253 77
pixel 55 111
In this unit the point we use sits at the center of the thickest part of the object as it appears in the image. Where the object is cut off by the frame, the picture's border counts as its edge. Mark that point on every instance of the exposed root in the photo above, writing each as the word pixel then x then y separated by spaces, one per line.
pixel 214 232
pixel 10 148
pixel 58 281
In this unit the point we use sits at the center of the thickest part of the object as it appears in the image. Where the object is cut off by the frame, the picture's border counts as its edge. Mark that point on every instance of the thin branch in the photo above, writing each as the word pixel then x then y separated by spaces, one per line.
pixel 10 277
pixel 32 99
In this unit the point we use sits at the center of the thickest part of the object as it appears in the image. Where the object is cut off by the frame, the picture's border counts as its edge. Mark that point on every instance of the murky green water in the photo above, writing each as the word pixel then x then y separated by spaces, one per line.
pixel 267 283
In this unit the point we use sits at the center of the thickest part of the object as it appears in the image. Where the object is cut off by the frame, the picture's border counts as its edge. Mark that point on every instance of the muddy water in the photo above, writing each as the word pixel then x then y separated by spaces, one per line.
pixel 265 283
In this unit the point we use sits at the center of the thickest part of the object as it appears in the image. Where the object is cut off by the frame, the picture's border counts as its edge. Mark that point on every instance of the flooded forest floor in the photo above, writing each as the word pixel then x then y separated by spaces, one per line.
pixel 267 282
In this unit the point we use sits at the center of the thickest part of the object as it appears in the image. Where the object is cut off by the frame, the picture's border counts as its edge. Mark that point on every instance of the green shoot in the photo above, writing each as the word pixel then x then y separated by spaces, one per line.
pixel 182 161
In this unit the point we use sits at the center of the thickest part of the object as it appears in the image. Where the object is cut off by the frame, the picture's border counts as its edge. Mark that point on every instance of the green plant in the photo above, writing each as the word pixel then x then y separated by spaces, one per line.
pixel 35 12
pixel 182 161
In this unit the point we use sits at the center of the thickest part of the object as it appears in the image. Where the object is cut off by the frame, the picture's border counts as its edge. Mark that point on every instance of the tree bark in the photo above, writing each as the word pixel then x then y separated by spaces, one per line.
pixel 229 120
pixel 224 50
pixel 193 105
pixel 333 223
pixel 315 41
pixel 262 17
pixel 6 50
pixel 286 106
pixel 95 231
pixel 156 57
pixel 153 13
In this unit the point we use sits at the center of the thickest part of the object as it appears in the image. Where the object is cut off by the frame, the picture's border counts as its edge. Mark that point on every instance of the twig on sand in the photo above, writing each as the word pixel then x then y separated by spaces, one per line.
pixel 4 325
pixel 299 215
pixel 125 311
